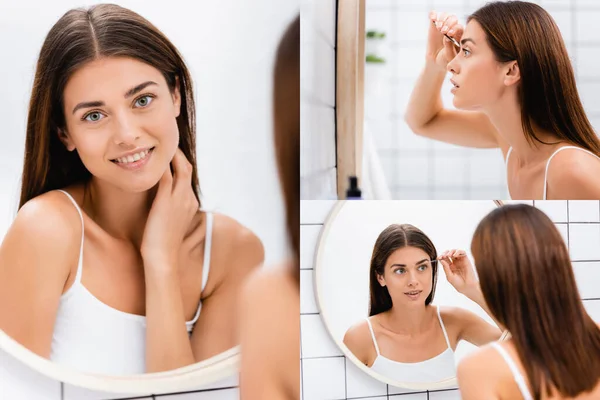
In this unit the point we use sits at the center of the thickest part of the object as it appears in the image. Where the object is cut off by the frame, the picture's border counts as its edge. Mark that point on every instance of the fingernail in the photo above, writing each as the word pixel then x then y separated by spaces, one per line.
pixel 451 31
pixel 444 29
pixel 438 24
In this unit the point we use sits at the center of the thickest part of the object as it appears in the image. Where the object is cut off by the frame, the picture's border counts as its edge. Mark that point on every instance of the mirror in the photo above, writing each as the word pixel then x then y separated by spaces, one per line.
pixel 118 282
pixel 405 355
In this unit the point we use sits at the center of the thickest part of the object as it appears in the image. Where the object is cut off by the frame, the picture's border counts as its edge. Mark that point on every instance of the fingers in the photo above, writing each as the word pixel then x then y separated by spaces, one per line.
pixel 165 184
pixel 447 269
pixel 182 170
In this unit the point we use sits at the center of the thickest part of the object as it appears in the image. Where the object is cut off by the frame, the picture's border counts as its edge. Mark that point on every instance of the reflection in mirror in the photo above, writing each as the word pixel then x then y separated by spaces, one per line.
pixel 112 266
pixel 398 292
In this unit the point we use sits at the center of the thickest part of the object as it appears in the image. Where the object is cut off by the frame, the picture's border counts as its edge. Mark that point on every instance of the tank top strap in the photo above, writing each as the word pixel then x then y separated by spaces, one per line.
pixel 373 336
pixel 206 263
pixel 518 377
pixel 80 262
pixel 443 328
pixel 508 154
pixel 549 159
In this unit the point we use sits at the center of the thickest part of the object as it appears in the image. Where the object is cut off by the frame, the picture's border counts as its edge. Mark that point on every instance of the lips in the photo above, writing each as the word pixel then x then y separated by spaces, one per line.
pixel 454 83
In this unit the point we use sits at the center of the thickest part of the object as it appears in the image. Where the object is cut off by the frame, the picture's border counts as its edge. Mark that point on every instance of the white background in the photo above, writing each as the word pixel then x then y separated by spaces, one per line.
pixel 328 375
pixel 344 258
pixel 229 46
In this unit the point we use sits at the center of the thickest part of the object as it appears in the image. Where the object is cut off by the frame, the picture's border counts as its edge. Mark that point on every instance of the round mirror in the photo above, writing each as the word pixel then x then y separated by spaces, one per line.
pixel 383 291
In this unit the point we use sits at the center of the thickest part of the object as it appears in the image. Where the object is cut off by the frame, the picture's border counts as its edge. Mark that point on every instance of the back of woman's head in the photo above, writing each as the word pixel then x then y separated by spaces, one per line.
pixel 286 111
pixel 78 37
pixel 529 286
pixel 526 33
pixel 392 238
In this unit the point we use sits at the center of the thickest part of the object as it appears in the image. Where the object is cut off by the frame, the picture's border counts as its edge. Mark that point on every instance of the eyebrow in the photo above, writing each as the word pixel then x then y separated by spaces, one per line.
pixel 462 42
pixel 404 265
pixel 134 90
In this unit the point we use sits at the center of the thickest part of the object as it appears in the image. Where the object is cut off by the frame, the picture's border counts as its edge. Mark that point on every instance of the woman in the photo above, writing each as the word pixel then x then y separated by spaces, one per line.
pixel 110 267
pixel 270 341
pixel 511 93
pixel 528 283
pixel 405 338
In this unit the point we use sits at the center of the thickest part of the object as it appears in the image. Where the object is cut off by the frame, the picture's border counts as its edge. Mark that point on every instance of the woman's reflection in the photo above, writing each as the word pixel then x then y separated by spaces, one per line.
pixel 111 266
pixel 405 338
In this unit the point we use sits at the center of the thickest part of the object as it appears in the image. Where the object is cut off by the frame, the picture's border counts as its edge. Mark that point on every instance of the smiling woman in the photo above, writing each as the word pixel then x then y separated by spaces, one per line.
pixel 111 266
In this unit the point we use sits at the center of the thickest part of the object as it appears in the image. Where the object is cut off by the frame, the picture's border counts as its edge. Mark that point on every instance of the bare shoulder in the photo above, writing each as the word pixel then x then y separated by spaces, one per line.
pixel 457 316
pixel 44 239
pixel 236 240
pixel 49 219
pixel 573 174
pixel 359 341
pixel 480 373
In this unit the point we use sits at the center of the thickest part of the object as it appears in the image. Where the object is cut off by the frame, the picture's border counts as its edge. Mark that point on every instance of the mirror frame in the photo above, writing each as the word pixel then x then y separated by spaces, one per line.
pixel 318 267
pixel 190 377
pixel 349 75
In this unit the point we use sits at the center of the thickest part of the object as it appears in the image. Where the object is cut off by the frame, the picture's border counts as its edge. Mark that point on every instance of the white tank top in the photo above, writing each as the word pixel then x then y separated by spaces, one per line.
pixel 518 377
pixel 93 337
pixel 548 162
pixel 438 368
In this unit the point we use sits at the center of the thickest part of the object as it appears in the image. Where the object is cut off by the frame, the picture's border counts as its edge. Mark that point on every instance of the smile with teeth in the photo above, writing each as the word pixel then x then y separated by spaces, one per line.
pixel 413 293
pixel 133 157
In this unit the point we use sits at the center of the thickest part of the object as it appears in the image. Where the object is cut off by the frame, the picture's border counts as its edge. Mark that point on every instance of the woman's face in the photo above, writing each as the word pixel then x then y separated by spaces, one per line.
pixel 479 76
pixel 121 118
pixel 408 276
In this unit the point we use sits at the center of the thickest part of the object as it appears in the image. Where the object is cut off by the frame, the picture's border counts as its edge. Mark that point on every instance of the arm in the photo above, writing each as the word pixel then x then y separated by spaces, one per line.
pixel 168 345
pixel 474 329
pixel 217 327
pixel 425 113
pixel 270 336
pixel 36 257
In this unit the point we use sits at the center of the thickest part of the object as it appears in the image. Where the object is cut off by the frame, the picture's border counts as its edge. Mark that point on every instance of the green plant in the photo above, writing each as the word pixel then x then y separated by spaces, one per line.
pixel 372 58
pixel 375 35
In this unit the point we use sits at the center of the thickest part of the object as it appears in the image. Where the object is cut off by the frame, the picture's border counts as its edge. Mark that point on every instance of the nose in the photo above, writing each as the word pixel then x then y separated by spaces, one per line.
pixel 126 132
pixel 412 279
pixel 453 66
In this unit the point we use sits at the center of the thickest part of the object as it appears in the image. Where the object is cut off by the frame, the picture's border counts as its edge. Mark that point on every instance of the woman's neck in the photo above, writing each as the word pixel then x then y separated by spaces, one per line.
pixel 122 214
pixel 408 320
pixel 505 115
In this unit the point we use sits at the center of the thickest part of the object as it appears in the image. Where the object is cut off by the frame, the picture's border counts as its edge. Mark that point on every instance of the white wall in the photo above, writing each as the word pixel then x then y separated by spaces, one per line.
pixel 439 170
pixel 328 375
pixel 229 46
pixel 317 97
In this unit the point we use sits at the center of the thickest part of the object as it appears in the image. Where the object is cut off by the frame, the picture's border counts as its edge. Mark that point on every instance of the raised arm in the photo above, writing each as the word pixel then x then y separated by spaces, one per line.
pixel 425 114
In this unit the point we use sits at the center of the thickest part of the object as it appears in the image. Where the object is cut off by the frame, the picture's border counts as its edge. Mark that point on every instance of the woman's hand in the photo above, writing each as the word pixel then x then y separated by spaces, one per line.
pixel 459 271
pixel 172 211
pixel 439 48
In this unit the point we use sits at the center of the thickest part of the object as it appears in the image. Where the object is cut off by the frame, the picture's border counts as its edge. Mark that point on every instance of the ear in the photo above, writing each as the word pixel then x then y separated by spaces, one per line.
pixel 176 98
pixel 380 279
pixel 512 74
pixel 65 139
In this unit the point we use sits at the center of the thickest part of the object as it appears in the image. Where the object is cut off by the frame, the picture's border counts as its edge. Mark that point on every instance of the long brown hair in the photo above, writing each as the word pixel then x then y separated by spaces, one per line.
pixel 529 286
pixel 80 36
pixel 286 111
pixel 526 33
pixel 392 238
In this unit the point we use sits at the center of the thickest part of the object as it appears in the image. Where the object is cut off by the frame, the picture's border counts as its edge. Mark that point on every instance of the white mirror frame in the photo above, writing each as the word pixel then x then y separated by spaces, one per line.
pixel 193 376
pixel 444 384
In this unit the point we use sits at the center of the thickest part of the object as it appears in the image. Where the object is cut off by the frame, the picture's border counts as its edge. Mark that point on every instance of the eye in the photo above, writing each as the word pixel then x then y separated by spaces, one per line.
pixel 144 100
pixel 465 51
pixel 422 267
pixel 94 116
pixel 399 271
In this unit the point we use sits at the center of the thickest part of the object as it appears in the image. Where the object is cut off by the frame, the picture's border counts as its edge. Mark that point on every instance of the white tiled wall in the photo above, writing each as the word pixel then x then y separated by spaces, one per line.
pixel 438 170
pixel 328 375
pixel 317 95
